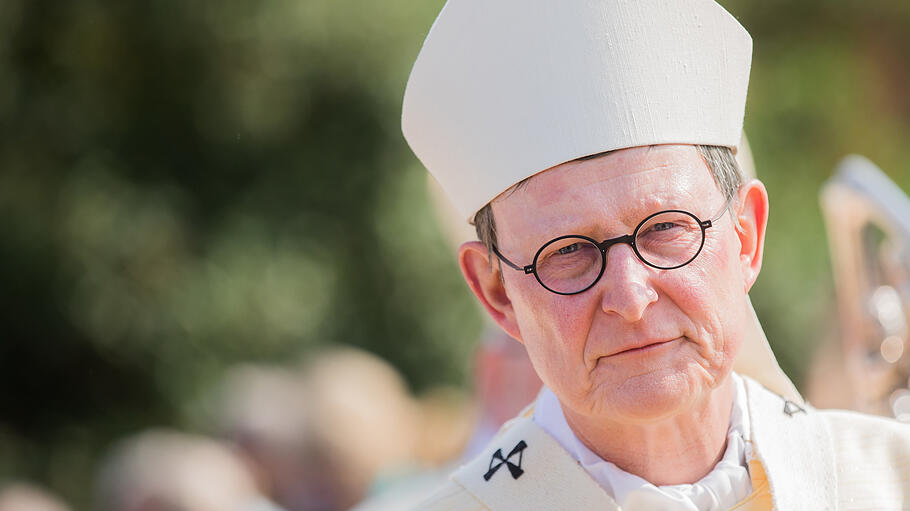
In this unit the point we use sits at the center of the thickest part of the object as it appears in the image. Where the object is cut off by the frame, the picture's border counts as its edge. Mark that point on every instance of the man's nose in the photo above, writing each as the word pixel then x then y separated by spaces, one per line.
pixel 626 284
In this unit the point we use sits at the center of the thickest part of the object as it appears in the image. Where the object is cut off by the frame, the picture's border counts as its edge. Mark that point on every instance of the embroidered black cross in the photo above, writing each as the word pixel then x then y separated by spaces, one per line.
pixel 791 408
pixel 514 469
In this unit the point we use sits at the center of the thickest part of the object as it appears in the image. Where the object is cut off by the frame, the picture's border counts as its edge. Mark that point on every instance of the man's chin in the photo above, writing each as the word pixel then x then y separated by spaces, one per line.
pixel 652 397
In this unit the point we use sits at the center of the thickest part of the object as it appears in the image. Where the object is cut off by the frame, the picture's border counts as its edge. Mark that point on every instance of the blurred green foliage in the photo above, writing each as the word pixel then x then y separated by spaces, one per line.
pixel 828 79
pixel 184 185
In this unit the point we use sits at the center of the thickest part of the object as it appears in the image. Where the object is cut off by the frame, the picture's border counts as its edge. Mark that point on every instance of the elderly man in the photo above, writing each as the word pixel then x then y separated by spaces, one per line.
pixel 592 145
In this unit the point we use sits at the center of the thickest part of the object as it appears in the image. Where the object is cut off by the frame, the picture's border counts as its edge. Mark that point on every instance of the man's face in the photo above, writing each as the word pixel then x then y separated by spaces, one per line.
pixel 643 343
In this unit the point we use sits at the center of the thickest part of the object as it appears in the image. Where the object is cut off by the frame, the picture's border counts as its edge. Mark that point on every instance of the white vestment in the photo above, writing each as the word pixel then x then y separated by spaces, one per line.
pixel 813 460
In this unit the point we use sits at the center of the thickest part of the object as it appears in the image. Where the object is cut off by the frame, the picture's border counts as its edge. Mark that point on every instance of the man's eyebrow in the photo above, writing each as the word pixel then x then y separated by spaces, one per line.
pixel 632 216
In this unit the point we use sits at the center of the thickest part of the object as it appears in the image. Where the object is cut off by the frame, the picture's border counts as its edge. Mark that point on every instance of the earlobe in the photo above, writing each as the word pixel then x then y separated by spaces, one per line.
pixel 486 283
pixel 752 219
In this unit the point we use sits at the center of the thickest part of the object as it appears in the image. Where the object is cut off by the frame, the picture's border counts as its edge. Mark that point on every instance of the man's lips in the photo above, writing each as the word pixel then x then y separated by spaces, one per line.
pixel 643 347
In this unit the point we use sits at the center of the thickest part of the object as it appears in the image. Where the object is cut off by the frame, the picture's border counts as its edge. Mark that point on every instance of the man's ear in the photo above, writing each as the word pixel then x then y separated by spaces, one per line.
pixel 752 219
pixel 485 281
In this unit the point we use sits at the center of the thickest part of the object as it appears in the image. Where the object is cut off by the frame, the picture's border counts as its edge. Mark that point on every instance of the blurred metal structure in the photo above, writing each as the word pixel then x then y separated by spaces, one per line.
pixel 868 222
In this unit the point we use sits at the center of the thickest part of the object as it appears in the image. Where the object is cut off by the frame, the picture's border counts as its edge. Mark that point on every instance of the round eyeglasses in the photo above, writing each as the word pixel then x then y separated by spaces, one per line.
pixel 572 264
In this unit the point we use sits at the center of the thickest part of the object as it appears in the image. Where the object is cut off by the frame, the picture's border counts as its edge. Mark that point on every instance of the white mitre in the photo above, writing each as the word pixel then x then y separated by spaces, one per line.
pixel 505 89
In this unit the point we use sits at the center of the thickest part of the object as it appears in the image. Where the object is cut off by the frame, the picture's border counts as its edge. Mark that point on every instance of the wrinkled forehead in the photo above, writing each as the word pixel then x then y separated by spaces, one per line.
pixel 622 185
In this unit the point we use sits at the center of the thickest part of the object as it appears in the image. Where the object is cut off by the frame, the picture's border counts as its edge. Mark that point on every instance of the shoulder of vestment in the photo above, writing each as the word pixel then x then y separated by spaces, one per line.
pixel 872 455
pixel 828 459
pixel 523 467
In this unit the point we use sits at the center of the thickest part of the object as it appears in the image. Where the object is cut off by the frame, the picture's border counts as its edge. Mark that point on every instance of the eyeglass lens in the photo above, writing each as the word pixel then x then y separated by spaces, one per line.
pixel 666 240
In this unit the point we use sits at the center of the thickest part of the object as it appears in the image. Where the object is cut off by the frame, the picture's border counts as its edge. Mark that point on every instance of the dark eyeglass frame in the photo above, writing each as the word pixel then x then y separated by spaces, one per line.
pixel 605 245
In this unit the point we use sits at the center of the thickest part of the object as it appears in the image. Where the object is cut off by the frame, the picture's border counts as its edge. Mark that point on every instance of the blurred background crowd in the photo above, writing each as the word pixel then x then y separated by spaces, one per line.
pixel 223 285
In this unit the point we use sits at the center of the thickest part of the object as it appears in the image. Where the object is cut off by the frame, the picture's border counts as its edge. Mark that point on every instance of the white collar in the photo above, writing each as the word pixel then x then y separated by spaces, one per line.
pixel 722 488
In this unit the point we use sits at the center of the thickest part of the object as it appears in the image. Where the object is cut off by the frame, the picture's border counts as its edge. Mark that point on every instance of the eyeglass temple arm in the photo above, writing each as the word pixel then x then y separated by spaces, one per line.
pixel 718 216
pixel 527 269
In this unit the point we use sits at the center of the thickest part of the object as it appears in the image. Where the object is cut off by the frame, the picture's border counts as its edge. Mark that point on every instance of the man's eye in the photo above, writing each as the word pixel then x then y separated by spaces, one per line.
pixel 568 249
pixel 663 226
